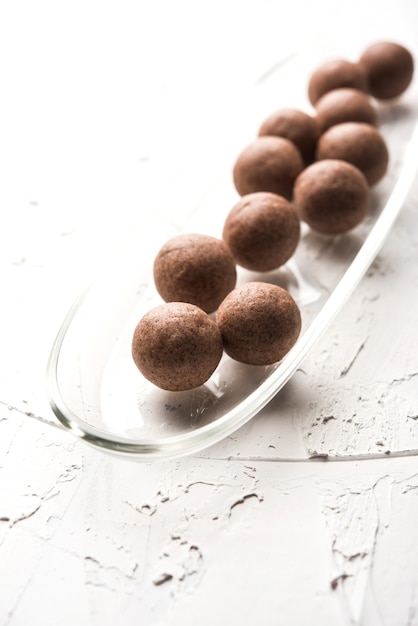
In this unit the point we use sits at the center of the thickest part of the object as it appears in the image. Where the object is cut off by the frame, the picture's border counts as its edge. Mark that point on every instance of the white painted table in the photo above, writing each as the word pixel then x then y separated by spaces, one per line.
pixel 92 93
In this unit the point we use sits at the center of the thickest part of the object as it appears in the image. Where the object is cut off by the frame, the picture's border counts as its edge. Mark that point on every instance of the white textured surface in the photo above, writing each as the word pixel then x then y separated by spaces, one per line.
pixel 234 536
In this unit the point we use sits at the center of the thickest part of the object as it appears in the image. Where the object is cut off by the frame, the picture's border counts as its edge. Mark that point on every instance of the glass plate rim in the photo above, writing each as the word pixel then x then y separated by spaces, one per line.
pixel 209 434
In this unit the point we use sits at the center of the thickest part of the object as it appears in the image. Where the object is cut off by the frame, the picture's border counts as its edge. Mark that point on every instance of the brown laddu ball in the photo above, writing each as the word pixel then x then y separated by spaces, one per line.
pixel 345 105
pixel 334 74
pixel 259 323
pixel 295 125
pixel 389 67
pixel 262 230
pixel 267 164
pixel 358 143
pixel 195 268
pixel 331 196
pixel 177 346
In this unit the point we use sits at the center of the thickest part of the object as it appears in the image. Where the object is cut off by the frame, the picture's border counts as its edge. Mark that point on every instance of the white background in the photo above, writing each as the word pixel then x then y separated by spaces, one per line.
pixel 103 105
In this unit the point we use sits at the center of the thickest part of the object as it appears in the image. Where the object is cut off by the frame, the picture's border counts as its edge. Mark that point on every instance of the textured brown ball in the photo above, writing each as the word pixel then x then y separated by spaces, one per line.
pixel 268 164
pixel 195 268
pixel 358 143
pixel 331 196
pixel 262 231
pixel 345 105
pixel 297 126
pixel 334 74
pixel 177 346
pixel 259 323
pixel 389 68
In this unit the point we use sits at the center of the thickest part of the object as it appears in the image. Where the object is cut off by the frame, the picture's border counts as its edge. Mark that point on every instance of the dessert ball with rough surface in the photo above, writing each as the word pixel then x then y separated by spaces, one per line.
pixel 297 126
pixel 389 68
pixel 262 231
pixel 177 346
pixel 268 164
pixel 334 74
pixel 331 196
pixel 259 323
pixel 345 105
pixel 195 268
pixel 358 143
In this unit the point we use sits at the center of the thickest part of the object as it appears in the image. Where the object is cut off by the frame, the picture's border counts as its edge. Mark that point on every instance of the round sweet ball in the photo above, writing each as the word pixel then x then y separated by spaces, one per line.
pixel 268 164
pixel 389 68
pixel 195 268
pixel 177 346
pixel 345 105
pixel 331 196
pixel 262 231
pixel 358 143
pixel 334 74
pixel 259 323
pixel 297 126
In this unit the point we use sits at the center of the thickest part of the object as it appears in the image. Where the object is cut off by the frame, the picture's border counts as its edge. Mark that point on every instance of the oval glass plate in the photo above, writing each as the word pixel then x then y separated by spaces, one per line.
pixel 94 387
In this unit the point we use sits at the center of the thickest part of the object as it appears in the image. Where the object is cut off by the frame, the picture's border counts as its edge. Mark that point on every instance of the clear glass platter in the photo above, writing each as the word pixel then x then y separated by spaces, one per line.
pixel 94 388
